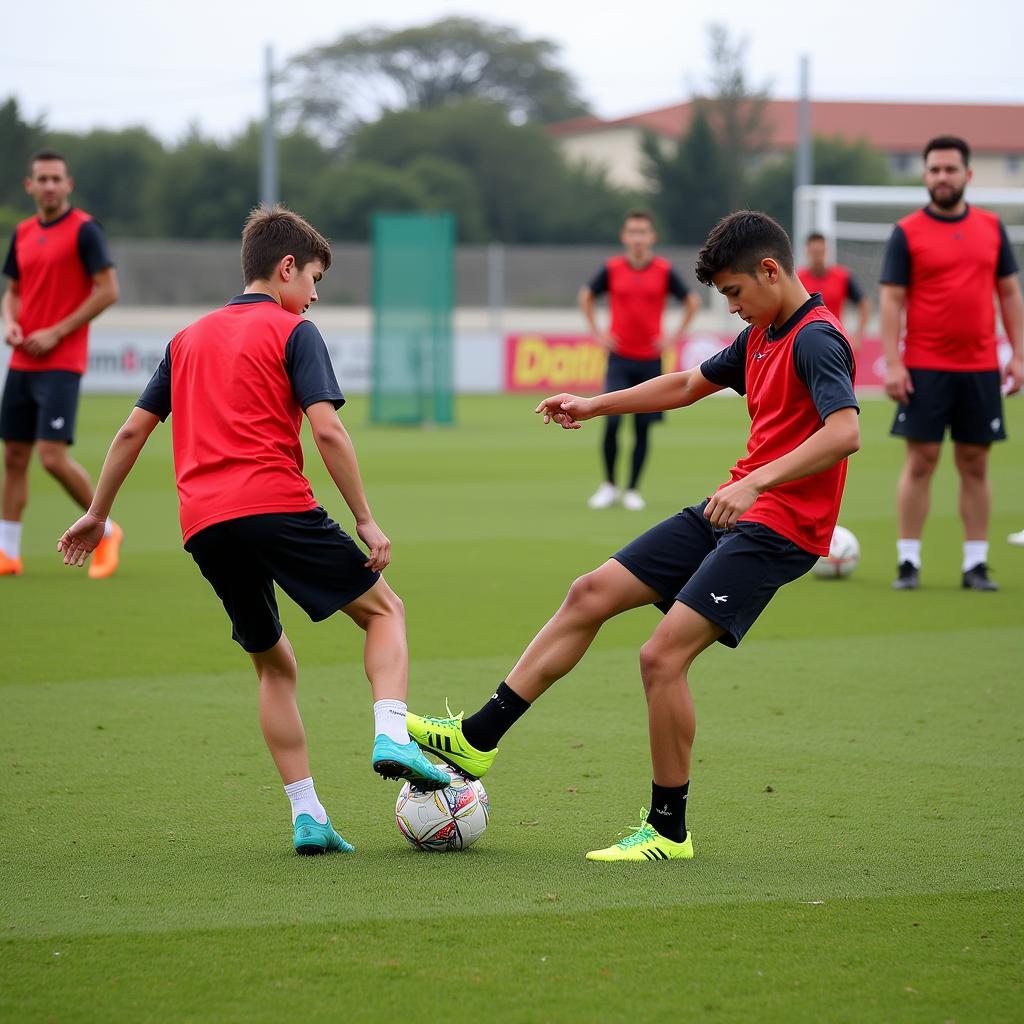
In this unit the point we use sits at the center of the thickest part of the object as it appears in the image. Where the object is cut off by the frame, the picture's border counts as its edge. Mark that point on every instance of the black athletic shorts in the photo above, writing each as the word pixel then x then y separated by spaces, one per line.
pixel 969 403
pixel 728 576
pixel 626 373
pixel 39 405
pixel 306 554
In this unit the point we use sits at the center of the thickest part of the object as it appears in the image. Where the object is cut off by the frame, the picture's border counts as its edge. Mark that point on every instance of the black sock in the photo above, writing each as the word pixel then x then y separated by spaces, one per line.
pixel 668 810
pixel 495 718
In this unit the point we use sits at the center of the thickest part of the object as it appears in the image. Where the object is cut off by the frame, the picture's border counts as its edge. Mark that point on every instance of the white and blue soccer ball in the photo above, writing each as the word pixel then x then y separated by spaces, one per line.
pixel 446 819
pixel 842 558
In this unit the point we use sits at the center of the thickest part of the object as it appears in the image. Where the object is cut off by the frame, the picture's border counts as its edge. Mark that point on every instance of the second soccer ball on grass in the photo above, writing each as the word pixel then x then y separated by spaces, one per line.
pixel 842 558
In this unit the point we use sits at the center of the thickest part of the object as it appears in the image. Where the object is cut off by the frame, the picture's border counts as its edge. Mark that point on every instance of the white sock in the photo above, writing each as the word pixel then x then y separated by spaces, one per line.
pixel 10 538
pixel 305 801
pixel 975 552
pixel 389 720
pixel 108 528
pixel 909 551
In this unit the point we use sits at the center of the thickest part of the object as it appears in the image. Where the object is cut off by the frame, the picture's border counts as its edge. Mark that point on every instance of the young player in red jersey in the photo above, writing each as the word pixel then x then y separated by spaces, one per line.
pixel 944 264
pixel 637 284
pixel 61 277
pixel 836 284
pixel 713 567
pixel 238 382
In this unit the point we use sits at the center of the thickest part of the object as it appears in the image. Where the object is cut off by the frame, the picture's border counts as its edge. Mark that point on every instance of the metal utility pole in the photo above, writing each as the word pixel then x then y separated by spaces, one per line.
pixel 804 165
pixel 268 150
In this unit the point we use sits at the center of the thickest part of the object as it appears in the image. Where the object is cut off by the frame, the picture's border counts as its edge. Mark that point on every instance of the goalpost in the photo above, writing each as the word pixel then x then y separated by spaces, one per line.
pixel 858 219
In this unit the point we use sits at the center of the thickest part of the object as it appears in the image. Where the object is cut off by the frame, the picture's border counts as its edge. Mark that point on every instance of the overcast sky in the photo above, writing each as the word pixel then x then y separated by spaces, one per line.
pixel 167 66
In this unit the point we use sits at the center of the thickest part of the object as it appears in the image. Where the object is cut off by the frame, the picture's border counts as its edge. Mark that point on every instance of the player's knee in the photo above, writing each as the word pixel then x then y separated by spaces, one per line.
pixel 16 456
pixel 652 663
pixel 53 458
pixel 586 597
pixel 972 464
pixel 921 465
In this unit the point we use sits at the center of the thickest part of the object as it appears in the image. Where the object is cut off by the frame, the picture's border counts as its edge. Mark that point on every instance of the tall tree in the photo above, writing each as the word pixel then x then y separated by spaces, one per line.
pixel 735 111
pixel 331 89
pixel 691 181
pixel 18 140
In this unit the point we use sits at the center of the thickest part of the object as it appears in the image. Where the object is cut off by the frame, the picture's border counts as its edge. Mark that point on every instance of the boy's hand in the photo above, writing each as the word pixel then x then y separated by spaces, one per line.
pixel 14 335
pixel 727 505
pixel 380 547
pixel 80 540
pixel 568 411
pixel 38 343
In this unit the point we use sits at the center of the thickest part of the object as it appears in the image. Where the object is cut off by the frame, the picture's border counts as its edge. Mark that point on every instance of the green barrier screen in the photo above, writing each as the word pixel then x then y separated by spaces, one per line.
pixel 413 272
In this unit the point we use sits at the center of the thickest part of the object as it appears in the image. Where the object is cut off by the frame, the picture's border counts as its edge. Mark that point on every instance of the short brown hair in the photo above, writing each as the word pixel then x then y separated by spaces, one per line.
pixel 639 213
pixel 273 232
pixel 739 242
pixel 46 154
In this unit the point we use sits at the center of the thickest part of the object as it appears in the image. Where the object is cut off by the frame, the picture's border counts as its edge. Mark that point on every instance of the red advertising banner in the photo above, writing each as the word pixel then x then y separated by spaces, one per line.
pixel 573 362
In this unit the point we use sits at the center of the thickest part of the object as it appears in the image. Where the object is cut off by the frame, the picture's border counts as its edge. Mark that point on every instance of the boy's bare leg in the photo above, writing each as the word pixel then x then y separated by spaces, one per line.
pixel 57 461
pixel 279 711
pixel 381 614
pixel 664 663
pixel 592 600
pixel 15 490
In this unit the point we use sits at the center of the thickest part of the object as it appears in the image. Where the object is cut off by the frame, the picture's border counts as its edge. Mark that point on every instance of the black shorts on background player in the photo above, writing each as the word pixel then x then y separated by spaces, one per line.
pixel 970 403
pixel 728 576
pixel 39 405
pixel 306 554
pixel 625 373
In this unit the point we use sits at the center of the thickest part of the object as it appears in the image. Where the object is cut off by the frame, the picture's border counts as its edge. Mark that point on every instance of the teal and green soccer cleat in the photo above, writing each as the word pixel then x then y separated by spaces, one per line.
pixel 312 838
pixel 443 737
pixel 393 760
pixel 645 843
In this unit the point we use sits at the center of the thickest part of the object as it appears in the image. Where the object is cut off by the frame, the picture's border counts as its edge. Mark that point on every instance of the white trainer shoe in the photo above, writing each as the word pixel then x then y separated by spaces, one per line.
pixel 1017 538
pixel 604 497
pixel 633 501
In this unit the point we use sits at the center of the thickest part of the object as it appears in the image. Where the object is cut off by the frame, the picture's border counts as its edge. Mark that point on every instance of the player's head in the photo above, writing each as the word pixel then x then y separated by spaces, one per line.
pixel 283 250
pixel 638 235
pixel 748 258
pixel 816 252
pixel 48 182
pixel 947 169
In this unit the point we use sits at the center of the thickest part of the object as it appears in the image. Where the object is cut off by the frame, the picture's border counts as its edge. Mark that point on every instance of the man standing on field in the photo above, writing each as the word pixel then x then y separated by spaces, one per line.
pixel 637 284
pixel 61 277
pixel 942 265
pixel 835 283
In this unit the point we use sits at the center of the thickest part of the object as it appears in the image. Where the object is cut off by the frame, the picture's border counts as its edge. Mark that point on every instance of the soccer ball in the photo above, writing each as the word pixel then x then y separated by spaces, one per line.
pixel 842 558
pixel 446 819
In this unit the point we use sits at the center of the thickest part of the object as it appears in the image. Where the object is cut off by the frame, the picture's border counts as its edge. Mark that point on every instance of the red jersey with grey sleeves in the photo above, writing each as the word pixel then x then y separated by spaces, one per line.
pixel 238 381
pixel 794 379
pixel 949 266
pixel 636 296
pixel 837 286
pixel 54 264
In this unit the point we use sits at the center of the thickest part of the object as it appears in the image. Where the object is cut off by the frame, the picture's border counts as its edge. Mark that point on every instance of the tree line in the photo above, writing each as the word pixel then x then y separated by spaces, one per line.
pixel 450 115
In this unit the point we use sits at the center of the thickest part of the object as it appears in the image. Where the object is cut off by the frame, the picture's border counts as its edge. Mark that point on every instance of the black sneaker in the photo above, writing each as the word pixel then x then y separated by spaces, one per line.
pixel 909 577
pixel 977 579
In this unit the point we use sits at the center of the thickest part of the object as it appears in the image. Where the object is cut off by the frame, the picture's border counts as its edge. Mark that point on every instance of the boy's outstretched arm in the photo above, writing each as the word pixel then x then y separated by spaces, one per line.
pixel 837 438
pixel 339 455
pixel 81 539
pixel 670 391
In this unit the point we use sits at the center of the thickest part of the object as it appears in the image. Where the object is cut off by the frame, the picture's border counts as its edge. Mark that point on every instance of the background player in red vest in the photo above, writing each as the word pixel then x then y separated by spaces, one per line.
pixel 238 381
pixel 836 284
pixel 61 277
pixel 712 568
pixel 637 284
pixel 942 265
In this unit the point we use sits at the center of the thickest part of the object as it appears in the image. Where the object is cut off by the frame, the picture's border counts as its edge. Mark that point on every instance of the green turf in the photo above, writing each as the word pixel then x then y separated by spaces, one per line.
pixel 856 801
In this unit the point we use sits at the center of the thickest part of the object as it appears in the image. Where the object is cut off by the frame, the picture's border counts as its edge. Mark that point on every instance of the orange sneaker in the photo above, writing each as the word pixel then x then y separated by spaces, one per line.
pixel 9 566
pixel 106 556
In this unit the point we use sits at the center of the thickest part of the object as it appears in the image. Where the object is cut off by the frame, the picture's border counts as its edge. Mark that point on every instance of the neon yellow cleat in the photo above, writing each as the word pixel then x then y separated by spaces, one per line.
pixel 443 737
pixel 646 843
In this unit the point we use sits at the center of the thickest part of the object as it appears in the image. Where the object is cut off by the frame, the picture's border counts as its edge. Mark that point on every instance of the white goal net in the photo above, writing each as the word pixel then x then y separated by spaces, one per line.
pixel 857 220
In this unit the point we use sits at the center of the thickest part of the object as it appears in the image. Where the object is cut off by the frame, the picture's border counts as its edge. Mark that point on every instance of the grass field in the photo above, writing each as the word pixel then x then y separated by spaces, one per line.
pixel 856 801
